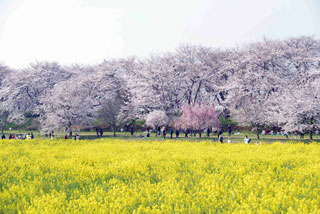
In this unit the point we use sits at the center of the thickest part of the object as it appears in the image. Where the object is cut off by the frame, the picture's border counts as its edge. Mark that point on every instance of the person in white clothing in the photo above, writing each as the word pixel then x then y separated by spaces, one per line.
pixel 247 140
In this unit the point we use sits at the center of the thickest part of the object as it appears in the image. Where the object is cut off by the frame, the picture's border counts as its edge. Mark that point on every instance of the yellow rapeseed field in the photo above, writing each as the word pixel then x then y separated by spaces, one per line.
pixel 117 176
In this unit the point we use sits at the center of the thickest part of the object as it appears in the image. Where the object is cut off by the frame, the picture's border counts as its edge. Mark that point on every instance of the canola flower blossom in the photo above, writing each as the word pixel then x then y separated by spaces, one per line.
pixel 117 176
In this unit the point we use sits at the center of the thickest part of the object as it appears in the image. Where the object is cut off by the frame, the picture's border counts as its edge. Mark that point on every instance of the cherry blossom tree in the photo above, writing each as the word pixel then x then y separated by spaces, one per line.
pixel 3 119
pixel 297 108
pixel 198 117
pixel 4 113
pixel 189 75
pixel 253 82
pixel 200 71
pixel 8 110
pixel 4 72
pixel 261 73
pixel 154 86
pixel 77 101
pixel 69 104
pixel 157 118
pixel 32 83
pixel 116 111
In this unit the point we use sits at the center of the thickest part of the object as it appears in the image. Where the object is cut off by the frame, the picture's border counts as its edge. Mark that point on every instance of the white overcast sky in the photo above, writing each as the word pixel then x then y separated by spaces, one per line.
pixel 88 31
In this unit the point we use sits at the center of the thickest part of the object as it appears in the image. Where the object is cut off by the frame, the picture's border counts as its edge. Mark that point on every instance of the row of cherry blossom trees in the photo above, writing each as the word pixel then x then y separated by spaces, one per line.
pixel 273 83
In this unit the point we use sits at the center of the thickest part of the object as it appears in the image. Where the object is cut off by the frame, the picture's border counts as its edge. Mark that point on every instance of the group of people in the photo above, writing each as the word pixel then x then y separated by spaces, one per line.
pixel 50 135
pixel 28 136
pixel 74 137
pixel 163 131
pixel 246 139
pixel 99 132
pixel 188 132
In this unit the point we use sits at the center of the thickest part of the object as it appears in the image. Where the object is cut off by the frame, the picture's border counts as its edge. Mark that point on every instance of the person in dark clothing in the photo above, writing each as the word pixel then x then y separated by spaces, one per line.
pixel 186 133
pixel 229 130
pixel 221 139
pixel 131 131
pixel 219 133
pixel 159 132
pixel 66 137
pixel 101 132
pixel 148 132
pixel 208 132
pixel 171 132
pixel 32 136
pixel 3 137
pixel 97 132
pixel 177 133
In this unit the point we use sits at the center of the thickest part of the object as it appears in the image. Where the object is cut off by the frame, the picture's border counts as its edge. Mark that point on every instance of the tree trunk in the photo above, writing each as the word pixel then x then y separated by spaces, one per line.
pixel 197 92
pixel 310 134
pixel 69 130
pixel 301 136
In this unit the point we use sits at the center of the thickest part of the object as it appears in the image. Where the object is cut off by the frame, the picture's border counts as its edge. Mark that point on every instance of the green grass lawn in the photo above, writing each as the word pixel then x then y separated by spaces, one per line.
pixel 137 135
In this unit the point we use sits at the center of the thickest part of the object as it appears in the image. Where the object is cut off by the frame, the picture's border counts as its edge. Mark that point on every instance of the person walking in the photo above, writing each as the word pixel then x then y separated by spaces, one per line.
pixel 177 133
pixel 97 131
pixel 164 132
pixel 186 133
pixel 221 139
pixel 171 132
